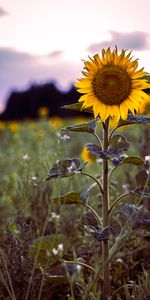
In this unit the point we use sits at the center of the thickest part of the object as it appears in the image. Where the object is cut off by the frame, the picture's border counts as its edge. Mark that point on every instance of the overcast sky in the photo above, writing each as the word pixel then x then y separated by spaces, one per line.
pixel 43 40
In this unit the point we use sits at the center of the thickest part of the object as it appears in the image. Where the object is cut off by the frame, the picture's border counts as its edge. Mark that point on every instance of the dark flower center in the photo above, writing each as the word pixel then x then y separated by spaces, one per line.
pixel 112 85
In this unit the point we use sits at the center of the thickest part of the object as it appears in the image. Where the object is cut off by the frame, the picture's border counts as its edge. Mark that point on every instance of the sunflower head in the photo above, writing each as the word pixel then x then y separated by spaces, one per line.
pixel 112 85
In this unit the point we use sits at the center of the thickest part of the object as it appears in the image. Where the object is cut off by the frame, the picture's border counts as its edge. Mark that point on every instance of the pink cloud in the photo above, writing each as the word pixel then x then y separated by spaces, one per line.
pixel 3 12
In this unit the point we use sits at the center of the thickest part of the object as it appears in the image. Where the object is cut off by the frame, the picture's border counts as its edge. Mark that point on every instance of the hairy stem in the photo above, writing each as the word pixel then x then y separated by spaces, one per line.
pixel 105 215
pixel 94 178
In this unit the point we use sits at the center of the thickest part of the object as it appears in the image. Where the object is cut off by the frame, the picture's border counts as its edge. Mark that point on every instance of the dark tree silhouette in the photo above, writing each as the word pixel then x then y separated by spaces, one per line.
pixel 26 104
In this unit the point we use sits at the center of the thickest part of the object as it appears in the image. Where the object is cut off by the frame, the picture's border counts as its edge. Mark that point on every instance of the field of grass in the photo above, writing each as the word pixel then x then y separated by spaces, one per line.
pixel 48 244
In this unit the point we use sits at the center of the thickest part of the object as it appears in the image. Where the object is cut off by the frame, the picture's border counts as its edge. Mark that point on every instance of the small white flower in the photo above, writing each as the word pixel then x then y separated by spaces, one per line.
pixel 54 251
pixel 147 158
pixel 65 137
pixel 34 178
pixel 119 260
pixel 26 157
pixel 54 216
pixel 61 136
pixel 78 268
pixel 60 247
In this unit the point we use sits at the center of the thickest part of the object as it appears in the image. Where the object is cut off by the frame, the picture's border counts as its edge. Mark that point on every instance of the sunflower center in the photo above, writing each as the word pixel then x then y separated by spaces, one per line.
pixel 112 85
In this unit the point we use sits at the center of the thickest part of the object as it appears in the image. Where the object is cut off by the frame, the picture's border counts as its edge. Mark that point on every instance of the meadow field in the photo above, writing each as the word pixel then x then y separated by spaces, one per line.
pixel 49 246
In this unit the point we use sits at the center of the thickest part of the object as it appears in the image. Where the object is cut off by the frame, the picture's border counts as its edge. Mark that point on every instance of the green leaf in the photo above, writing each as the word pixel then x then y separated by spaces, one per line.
pixel 120 142
pixel 66 168
pixel 78 107
pixel 137 119
pixel 135 160
pixel 138 216
pixel 95 150
pixel 100 233
pixel 84 127
pixel 112 152
pixel 69 198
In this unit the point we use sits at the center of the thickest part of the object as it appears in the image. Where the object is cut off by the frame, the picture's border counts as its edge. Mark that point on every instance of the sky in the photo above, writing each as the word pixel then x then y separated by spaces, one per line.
pixel 47 40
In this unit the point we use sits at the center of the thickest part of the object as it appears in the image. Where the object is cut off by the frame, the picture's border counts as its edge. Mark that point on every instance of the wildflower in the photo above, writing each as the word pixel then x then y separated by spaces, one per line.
pixel 43 112
pixel 54 216
pixel 56 121
pixel 34 178
pixel 14 127
pixel 2 126
pixel 58 250
pixel 64 137
pixel 147 158
pixel 112 85
pixel 26 157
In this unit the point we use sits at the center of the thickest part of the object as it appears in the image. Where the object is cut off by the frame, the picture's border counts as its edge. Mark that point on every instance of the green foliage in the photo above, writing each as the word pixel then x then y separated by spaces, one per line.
pixel 50 245
pixel 137 119
pixel 69 198
pixel 65 168
pixel 78 107
pixel 88 127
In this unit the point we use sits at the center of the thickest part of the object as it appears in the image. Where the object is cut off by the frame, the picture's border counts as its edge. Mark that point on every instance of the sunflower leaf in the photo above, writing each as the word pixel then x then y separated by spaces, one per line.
pixel 84 127
pixel 120 142
pixel 69 198
pixel 137 119
pixel 65 168
pixel 135 160
pixel 138 216
pixel 96 151
pixel 78 107
pixel 100 233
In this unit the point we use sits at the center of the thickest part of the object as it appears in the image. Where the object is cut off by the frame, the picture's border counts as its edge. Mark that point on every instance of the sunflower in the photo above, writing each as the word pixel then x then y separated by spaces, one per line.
pixel 112 85
pixel 87 156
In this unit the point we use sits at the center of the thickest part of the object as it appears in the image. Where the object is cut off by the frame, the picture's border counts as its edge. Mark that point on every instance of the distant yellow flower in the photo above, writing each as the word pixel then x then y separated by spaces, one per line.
pixel 2 126
pixel 56 121
pixel 87 156
pixel 13 127
pixel 43 112
pixel 112 85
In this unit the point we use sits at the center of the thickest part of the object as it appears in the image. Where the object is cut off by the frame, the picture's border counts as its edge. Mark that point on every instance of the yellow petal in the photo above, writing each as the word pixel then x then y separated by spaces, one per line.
pixel 104 112
pixel 83 98
pixel 123 111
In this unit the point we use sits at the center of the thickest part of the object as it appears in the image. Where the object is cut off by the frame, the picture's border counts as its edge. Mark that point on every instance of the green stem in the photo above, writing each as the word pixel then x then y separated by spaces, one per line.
pixel 94 212
pixel 113 130
pixel 81 264
pixel 94 178
pixel 105 215
pixel 117 200
pixel 112 171
pixel 99 140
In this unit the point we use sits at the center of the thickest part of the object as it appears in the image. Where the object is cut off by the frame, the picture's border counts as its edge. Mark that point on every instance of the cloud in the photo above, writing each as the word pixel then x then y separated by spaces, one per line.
pixel 136 40
pixel 3 12
pixel 19 70
pixel 55 54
